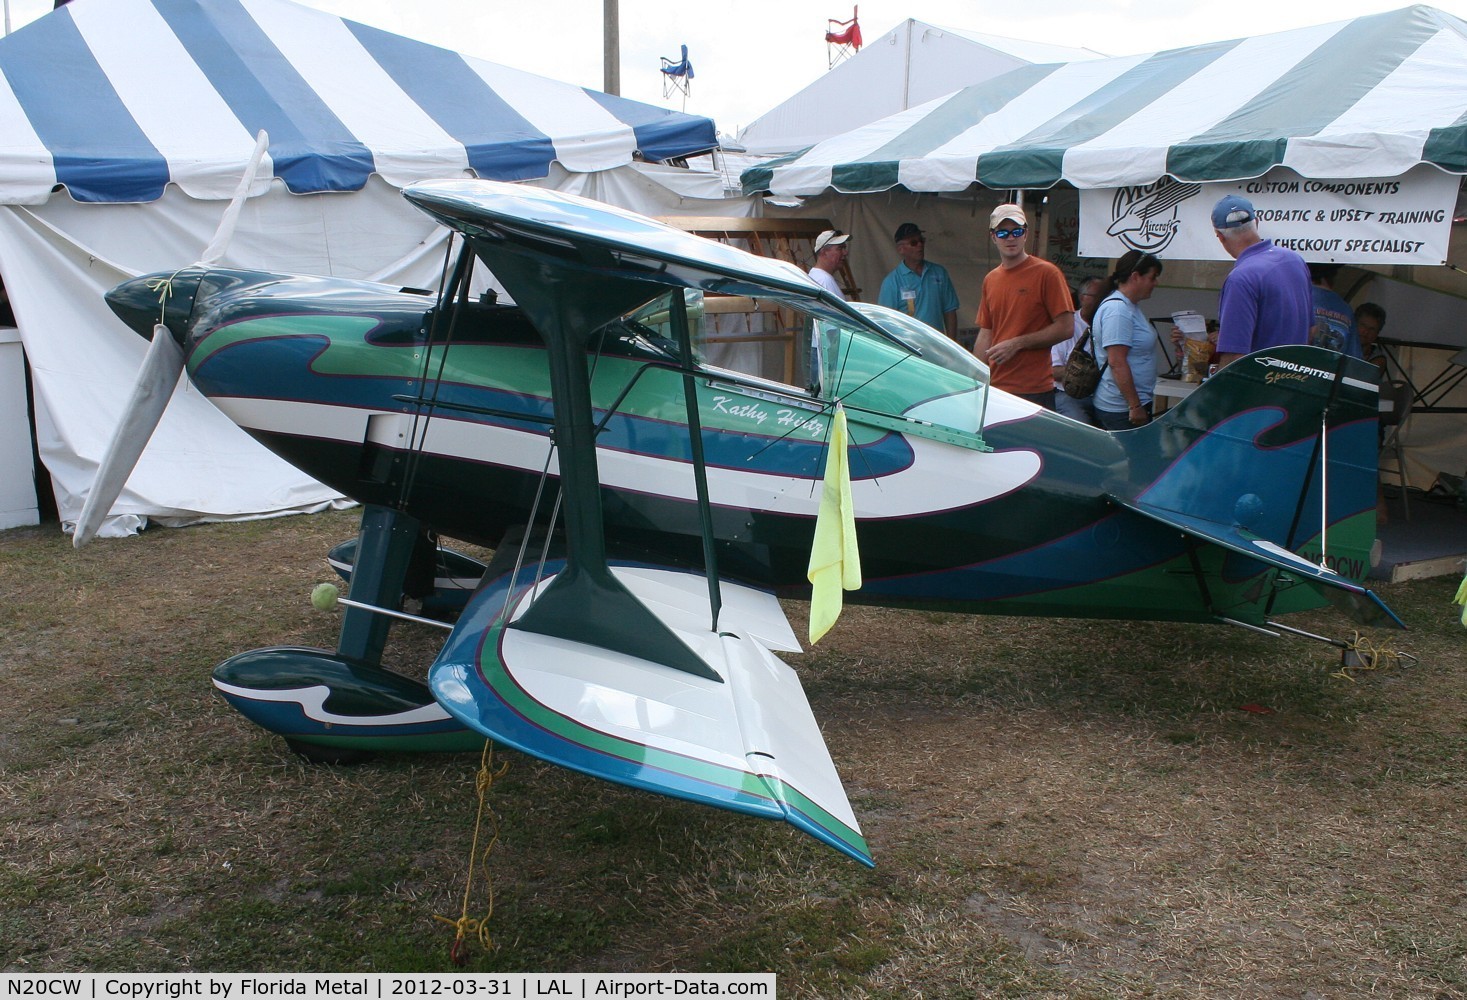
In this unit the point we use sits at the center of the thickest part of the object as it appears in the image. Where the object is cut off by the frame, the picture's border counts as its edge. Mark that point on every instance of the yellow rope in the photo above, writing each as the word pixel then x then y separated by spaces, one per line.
pixel 1368 656
pixel 465 924
pixel 164 288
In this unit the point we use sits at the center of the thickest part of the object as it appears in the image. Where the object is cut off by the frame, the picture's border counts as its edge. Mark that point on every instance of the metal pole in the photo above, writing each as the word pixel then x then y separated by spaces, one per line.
pixel 611 48
pixel 362 606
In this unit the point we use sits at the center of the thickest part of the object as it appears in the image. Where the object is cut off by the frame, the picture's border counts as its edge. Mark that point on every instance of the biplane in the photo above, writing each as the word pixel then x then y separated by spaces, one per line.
pixel 651 488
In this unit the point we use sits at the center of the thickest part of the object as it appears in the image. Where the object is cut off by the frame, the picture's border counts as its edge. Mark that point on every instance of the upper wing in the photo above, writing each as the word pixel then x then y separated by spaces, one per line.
pixel 571 235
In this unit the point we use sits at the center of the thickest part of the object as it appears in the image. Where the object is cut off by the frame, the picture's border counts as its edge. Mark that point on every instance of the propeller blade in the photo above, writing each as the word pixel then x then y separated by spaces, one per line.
pixel 156 379
pixel 215 250
pixel 150 395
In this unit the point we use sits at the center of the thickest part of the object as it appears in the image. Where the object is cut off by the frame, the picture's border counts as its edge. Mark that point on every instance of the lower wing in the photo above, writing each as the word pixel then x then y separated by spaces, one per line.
pixel 742 739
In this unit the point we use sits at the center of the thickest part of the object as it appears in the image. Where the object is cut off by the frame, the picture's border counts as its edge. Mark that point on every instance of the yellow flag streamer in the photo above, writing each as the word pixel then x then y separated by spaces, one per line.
pixel 835 564
pixel 1461 598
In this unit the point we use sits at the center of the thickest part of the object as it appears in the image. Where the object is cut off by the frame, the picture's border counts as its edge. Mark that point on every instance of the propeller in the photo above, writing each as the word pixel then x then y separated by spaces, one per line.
pixel 157 377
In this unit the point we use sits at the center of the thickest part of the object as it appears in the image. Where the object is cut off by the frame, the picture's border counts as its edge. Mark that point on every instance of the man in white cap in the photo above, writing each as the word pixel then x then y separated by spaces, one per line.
pixel 831 249
pixel 1026 309
pixel 1267 299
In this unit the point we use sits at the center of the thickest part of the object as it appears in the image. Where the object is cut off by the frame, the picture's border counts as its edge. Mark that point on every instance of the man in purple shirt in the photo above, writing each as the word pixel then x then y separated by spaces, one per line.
pixel 1267 299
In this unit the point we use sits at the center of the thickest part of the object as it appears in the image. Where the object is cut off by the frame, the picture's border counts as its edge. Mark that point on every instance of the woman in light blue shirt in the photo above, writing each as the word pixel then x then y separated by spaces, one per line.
pixel 1125 344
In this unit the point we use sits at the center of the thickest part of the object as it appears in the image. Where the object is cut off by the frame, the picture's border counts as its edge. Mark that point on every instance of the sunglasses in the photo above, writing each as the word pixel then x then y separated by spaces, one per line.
pixel 1144 264
pixel 1004 234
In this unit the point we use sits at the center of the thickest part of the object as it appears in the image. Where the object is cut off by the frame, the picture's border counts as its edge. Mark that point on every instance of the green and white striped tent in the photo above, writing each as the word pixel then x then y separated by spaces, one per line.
pixel 1369 97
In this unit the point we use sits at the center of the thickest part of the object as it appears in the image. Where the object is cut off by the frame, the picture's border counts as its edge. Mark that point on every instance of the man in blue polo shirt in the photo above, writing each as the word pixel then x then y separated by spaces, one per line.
pixel 1267 299
pixel 919 287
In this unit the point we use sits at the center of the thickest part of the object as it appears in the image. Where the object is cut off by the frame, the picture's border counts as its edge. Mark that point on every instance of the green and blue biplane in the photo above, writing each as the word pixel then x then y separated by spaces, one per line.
pixel 651 482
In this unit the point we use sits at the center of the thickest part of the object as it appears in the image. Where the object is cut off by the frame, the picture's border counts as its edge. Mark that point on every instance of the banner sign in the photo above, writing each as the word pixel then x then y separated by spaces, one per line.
pixel 1394 220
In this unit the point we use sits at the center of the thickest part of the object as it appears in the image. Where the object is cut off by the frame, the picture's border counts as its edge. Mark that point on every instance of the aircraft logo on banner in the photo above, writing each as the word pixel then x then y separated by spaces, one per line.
pixel 1354 220
pixel 1145 218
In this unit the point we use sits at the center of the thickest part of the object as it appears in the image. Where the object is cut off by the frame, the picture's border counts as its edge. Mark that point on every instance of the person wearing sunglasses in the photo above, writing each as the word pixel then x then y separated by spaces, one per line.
pixel 1026 309
pixel 919 287
pixel 832 248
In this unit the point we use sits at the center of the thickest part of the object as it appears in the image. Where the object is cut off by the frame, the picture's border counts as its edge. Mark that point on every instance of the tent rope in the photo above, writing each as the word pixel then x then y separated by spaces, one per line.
pixel 465 924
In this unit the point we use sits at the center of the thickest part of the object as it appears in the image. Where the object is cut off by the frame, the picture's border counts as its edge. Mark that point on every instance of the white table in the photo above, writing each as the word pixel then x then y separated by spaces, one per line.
pixel 1171 389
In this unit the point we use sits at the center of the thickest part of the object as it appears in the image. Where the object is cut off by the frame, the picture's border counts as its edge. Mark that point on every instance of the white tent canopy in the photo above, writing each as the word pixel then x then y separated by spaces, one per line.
pixel 909 65
pixel 1369 97
pixel 122 122
pixel 117 99
pixel 1377 97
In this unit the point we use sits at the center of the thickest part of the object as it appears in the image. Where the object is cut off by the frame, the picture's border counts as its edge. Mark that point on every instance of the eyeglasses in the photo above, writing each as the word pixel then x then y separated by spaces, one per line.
pixel 1004 234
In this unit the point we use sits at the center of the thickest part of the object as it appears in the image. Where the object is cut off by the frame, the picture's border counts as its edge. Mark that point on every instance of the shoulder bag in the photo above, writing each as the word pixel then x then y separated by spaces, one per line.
pixel 1082 374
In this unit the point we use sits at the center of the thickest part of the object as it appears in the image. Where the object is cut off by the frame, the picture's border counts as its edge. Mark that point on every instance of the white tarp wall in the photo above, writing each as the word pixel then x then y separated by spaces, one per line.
pixel 61 257
pixel 125 123
pixel 956 226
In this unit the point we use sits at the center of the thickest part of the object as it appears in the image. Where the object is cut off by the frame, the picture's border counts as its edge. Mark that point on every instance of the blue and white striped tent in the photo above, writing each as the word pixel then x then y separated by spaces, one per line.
pixel 1369 97
pixel 115 99
pixel 125 124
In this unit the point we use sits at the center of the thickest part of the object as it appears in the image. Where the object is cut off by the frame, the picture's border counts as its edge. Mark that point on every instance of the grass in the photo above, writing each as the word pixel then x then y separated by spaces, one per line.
pixel 1058 808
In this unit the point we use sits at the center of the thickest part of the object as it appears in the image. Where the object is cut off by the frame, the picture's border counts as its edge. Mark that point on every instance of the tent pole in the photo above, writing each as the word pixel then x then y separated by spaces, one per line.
pixel 611 47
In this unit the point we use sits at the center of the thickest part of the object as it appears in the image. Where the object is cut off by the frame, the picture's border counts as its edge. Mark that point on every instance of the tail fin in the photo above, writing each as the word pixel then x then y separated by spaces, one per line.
pixel 1272 460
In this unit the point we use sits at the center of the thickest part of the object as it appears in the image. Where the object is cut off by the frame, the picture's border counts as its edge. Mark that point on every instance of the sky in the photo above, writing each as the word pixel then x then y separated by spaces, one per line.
pixel 748 56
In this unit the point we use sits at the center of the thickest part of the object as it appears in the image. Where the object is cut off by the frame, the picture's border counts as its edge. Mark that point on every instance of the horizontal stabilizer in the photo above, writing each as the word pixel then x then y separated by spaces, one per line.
pixel 1358 602
pixel 748 743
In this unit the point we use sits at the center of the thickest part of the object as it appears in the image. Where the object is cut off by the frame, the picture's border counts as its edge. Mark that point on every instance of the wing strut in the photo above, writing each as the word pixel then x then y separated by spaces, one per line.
pixel 1317 460
pixel 585 602
pixel 700 467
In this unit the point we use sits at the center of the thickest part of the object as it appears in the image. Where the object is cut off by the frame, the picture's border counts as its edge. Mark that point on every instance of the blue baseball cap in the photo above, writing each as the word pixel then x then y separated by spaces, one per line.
pixel 1231 212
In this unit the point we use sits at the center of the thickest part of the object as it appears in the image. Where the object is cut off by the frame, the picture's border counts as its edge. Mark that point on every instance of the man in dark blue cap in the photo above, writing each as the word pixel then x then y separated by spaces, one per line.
pixel 1267 299
pixel 919 287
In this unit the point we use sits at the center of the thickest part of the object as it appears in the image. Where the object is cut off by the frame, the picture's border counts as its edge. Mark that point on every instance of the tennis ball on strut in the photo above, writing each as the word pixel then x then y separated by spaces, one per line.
pixel 324 595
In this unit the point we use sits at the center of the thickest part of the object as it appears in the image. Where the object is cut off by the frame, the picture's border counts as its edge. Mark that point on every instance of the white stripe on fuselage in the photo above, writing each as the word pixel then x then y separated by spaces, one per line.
pixel 941 476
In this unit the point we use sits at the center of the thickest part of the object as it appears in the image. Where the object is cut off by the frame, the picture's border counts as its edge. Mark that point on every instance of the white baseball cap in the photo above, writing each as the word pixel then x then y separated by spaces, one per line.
pixel 830 238
pixel 1013 213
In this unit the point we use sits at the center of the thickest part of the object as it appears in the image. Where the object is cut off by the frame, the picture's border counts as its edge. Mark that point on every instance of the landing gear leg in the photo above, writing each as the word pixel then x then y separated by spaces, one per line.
pixel 364 709
pixel 385 545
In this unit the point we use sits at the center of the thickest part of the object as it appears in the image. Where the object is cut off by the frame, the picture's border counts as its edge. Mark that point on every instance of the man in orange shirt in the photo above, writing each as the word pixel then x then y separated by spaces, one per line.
pixel 1025 310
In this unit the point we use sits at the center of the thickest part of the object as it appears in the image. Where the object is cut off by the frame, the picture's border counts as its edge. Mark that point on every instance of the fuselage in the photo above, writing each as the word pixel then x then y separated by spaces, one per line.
pixel 965 499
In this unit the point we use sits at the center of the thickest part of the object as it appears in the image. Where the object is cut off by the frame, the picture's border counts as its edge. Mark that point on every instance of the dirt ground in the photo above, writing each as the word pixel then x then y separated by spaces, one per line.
pixel 1058 808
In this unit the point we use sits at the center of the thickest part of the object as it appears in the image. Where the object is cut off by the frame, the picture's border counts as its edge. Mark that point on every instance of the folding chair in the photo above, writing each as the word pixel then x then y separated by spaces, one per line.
pixel 677 76
pixel 842 38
